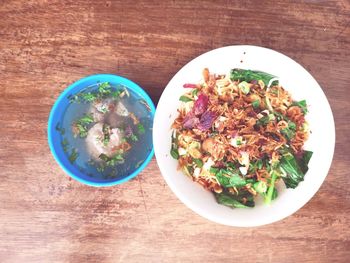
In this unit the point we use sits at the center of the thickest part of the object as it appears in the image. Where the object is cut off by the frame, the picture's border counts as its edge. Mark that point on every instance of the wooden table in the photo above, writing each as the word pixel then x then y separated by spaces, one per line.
pixel 46 45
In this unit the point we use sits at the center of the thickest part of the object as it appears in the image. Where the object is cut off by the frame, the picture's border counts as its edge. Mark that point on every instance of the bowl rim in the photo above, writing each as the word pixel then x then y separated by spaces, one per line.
pixel 51 128
pixel 203 212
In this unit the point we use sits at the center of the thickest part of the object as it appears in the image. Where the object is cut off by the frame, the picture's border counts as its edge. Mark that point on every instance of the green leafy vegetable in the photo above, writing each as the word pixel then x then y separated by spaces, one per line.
pixel 242 200
pixel 237 181
pixel 294 174
pixel 305 161
pixel 214 170
pixel 228 178
pixel 249 75
pixel 302 105
pixel 185 98
pixel 223 178
pixel 194 92
pixel 73 156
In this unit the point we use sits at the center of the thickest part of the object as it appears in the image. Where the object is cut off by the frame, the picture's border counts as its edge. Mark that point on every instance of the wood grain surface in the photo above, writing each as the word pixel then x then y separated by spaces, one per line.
pixel 46 45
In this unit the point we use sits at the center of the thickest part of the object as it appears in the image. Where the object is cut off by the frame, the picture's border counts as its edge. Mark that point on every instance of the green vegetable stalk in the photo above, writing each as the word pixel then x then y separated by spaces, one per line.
pixel 271 189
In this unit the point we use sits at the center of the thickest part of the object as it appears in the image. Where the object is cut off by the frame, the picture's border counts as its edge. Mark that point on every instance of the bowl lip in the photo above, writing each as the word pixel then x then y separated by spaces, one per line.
pixel 202 212
pixel 51 127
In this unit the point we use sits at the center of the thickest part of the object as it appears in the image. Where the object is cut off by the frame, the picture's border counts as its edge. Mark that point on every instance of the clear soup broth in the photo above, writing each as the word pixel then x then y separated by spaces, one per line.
pixel 107 131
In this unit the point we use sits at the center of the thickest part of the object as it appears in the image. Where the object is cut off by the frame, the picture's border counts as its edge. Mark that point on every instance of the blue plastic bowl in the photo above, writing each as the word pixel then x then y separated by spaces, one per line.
pixel 54 136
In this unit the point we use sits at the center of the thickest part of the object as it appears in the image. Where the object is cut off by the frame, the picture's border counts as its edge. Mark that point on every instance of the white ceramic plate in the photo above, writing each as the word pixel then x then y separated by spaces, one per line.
pixel 294 78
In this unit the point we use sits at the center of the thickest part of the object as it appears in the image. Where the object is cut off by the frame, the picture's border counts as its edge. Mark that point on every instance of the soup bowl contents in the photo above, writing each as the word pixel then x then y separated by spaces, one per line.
pixel 100 130
pixel 238 134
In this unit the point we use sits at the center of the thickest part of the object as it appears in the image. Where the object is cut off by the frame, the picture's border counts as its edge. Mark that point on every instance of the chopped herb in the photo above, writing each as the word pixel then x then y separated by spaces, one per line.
pixel 184 98
pixel 112 161
pixel 60 129
pixel 80 130
pixel 83 97
pixel 266 119
pixel 104 89
pixel 88 97
pixel 134 138
pixel 80 126
pixel 65 144
pixel 86 119
pixel 73 156
pixel 198 162
pixel 289 132
pixel 101 167
pixel 106 129
pixel 140 128
pixel 256 104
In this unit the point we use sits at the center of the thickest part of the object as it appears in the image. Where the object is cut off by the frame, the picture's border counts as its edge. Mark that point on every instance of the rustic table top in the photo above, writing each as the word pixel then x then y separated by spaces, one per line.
pixel 46 45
